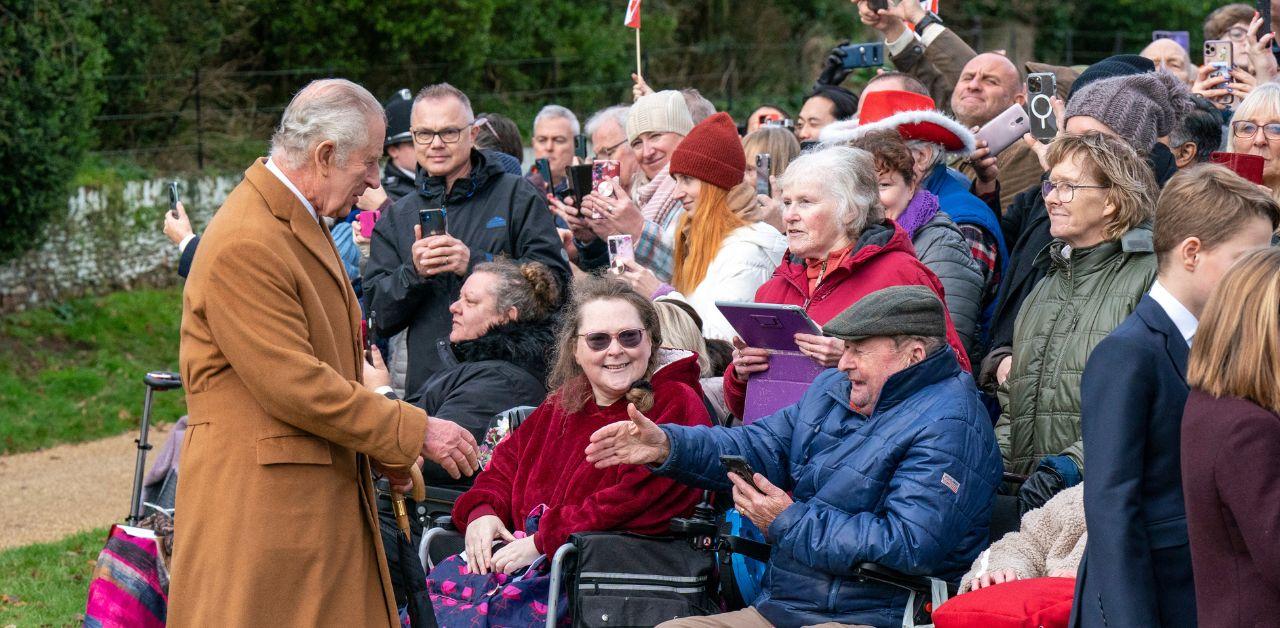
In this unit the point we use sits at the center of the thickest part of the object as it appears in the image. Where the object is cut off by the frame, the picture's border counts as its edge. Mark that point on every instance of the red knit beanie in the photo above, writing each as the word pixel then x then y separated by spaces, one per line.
pixel 712 152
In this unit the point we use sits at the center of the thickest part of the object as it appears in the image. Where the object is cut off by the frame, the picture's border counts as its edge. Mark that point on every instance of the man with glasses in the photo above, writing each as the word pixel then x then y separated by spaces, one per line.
pixel 412 277
pixel 607 129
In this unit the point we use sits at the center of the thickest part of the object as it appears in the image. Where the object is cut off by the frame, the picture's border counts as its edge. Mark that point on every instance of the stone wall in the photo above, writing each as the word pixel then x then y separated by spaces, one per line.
pixel 110 239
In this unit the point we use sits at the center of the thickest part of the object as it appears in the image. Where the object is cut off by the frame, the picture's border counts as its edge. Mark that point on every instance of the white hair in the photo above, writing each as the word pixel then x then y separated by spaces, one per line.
pixel 334 110
pixel 617 113
pixel 556 111
pixel 939 153
pixel 849 174
pixel 1261 105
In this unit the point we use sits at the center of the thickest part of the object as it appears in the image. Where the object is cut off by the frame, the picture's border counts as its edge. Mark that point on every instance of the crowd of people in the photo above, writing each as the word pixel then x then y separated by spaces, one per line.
pixel 985 322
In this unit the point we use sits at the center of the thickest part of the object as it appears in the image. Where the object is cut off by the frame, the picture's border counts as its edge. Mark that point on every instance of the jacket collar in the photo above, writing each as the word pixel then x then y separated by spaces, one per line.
pixel 1155 318
pixel 523 344
pixel 875 240
pixel 482 171
pixel 904 384
pixel 1136 241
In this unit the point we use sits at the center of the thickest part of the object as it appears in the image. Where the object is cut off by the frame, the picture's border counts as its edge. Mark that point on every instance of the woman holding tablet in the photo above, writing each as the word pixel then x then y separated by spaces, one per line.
pixel 840 248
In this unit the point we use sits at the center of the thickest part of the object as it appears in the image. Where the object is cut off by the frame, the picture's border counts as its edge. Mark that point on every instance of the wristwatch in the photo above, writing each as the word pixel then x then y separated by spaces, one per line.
pixel 929 18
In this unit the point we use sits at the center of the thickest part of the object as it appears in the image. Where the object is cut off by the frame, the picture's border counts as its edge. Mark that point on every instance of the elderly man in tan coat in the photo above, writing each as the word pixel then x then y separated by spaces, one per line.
pixel 275 511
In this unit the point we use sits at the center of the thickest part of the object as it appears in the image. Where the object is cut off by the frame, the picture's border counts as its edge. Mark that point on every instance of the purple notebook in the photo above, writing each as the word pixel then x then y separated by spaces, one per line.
pixel 773 327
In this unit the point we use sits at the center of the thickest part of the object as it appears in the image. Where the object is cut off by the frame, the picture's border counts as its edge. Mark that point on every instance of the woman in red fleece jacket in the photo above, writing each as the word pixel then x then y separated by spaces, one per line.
pixel 607 349
pixel 840 249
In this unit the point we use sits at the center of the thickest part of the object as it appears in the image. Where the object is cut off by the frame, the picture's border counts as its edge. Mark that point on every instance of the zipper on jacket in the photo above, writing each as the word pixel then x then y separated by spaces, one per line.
pixel 822 274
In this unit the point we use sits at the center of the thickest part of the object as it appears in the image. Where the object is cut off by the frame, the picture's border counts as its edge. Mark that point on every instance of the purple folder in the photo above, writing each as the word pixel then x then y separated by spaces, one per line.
pixel 773 327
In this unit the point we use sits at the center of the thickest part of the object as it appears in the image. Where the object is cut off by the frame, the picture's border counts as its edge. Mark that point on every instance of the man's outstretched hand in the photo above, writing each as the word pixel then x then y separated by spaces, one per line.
pixel 451 446
pixel 638 441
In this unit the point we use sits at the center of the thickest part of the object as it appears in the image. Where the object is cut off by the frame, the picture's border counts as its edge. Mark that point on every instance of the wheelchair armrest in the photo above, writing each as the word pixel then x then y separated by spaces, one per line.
pixel 879 573
pixel 445 523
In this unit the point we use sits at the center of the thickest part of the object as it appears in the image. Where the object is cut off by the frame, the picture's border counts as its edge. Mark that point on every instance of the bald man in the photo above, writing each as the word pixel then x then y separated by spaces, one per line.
pixel 1169 55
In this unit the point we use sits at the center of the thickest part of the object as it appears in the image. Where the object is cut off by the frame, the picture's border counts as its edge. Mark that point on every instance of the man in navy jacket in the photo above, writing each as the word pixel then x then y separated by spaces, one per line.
pixel 890 459
pixel 1137 565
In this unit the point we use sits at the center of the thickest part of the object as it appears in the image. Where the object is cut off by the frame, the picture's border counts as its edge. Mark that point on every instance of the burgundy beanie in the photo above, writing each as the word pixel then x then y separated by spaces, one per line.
pixel 712 152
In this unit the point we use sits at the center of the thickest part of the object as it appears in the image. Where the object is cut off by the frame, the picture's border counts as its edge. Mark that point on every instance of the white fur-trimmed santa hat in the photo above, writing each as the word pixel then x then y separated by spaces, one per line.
pixel 912 115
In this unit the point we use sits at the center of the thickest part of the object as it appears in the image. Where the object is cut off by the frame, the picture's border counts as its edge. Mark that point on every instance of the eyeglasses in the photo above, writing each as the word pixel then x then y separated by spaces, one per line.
pixel 1066 191
pixel 448 136
pixel 628 338
pixel 1244 129
pixel 1237 33
pixel 607 152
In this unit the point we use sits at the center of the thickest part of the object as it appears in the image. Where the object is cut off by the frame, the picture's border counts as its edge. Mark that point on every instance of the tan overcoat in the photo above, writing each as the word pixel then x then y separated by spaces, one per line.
pixel 276 523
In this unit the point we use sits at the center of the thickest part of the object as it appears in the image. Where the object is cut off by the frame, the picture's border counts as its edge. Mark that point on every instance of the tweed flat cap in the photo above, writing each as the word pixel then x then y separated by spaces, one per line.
pixel 892 311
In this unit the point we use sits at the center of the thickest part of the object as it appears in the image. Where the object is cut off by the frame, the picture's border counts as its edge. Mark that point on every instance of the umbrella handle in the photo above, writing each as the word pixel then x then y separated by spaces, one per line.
pixel 397 500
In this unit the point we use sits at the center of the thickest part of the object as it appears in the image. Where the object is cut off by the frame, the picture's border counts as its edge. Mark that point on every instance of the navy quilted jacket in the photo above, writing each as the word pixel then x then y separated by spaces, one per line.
pixel 909 487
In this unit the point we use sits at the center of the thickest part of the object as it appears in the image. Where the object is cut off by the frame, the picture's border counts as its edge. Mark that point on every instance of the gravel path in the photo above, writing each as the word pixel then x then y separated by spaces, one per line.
pixel 49 494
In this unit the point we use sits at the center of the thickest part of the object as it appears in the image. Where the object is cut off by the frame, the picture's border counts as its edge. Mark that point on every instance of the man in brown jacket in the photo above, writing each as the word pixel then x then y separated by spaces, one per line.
pixel 276 508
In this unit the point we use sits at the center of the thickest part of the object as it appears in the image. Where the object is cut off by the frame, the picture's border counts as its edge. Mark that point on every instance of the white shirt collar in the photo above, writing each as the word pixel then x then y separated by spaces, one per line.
pixel 407 173
pixel 1182 318
pixel 292 188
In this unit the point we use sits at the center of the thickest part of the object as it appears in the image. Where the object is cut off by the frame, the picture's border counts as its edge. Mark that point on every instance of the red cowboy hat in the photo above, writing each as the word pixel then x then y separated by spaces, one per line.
pixel 912 115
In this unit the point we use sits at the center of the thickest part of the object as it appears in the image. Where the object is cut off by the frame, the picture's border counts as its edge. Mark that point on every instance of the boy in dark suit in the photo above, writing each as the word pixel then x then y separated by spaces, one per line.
pixel 1137 566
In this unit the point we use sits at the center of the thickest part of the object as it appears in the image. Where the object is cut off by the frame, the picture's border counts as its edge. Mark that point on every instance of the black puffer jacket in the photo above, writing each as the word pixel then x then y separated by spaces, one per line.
pixel 505 368
pixel 493 213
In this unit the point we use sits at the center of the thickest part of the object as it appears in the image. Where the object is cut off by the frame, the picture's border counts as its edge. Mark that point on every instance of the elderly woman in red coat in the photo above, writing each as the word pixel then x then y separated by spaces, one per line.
pixel 840 248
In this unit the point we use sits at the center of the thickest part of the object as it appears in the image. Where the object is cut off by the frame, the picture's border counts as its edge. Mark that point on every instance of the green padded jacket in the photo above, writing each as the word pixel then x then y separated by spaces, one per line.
pixel 1083 298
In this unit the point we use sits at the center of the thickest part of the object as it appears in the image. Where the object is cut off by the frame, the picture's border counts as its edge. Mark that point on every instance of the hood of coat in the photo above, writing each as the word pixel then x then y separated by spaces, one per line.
pixel 520 343
pixel 876 239
pixel 484 171
pixel 677 365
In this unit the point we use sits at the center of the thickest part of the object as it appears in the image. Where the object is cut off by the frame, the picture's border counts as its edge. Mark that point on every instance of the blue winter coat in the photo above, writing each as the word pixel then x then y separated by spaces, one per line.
pixel 909 487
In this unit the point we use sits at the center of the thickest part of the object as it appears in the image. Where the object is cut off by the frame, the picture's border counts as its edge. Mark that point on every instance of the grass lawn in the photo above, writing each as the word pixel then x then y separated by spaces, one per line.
pixel 47 584
pixel 73 372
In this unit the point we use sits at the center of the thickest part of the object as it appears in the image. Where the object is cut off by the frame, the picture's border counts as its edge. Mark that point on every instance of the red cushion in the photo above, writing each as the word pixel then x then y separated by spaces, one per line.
pixel 1034 603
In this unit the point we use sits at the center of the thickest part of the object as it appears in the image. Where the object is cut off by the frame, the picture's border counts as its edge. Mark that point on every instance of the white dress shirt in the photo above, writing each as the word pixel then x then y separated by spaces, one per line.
pixel 1182 318
pixel 292 188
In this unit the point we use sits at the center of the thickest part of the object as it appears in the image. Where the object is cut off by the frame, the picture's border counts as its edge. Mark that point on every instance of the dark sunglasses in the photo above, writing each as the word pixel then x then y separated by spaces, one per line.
pixel 628 338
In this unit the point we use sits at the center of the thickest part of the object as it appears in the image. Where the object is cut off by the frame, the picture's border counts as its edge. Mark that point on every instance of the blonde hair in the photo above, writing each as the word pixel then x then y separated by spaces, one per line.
pixel 779 143
pixel 1236 352
pixel 679 331
pixel 1112 162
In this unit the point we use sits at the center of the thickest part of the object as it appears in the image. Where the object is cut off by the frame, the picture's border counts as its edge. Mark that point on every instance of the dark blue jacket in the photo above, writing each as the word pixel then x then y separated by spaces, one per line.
pixel 1137 565
pixel 909 487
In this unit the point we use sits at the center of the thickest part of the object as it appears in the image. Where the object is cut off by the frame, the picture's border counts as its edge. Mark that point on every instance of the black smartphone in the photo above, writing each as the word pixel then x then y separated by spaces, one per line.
pixel 763 161
pixel 580 147
pixel 544 170
pixel 876 5
pixel 1041 87
pixel 740 466
pixel 432 221
pixel 1264 11
pixel 173 199
pixel 868 55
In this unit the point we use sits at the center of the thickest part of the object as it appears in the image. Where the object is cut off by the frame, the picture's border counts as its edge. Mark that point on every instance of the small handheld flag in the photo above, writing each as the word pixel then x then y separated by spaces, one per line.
pixel 632 18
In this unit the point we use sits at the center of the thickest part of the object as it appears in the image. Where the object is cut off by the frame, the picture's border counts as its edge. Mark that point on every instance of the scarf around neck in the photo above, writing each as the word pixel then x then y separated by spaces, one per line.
pixel 922 208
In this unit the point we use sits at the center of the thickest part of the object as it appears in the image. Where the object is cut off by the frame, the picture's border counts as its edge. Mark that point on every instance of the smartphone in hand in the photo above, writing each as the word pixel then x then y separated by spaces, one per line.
pixel 432 221
pixel 367 220
pixel 173 199
pixel 1041 88
pixel 868 55
pixel 763 164
pixel 1005 129
pixel 739 466
pixel 1220 55
pixel 620 251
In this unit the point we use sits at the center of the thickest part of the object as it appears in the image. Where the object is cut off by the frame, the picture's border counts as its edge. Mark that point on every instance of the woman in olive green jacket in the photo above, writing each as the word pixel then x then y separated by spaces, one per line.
pixel 1100 197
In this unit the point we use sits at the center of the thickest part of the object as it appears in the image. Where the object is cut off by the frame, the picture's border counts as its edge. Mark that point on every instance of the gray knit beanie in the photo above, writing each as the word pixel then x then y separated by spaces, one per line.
pixel 660 112
pixel 1140 107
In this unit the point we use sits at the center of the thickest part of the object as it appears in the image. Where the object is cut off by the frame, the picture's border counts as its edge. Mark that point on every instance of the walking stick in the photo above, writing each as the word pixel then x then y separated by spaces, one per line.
pixel 397 500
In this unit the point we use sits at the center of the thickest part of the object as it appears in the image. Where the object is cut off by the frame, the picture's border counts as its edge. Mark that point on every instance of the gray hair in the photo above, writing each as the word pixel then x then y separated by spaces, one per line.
pixel 324 111
pixel 556 111
pixel 931 343
pixel 849 174
pixel 939 154
pixel 441 91
pixel 617 113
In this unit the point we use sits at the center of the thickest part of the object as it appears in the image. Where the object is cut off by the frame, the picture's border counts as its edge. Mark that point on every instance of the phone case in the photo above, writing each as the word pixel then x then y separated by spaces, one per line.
pixel 1219 54
pixel 367 221
pixel 868 55
pixel 1041 87
pixel 433 222
pixel 602 173
pixel 763 163
pixel 1005 129
pixel 620 249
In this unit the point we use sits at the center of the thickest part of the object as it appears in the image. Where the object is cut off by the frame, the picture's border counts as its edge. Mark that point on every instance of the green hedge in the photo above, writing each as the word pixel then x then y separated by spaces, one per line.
pixel 51 63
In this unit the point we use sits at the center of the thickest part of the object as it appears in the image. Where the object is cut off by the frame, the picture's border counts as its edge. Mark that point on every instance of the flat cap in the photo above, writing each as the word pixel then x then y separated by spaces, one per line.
pixel 892 311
